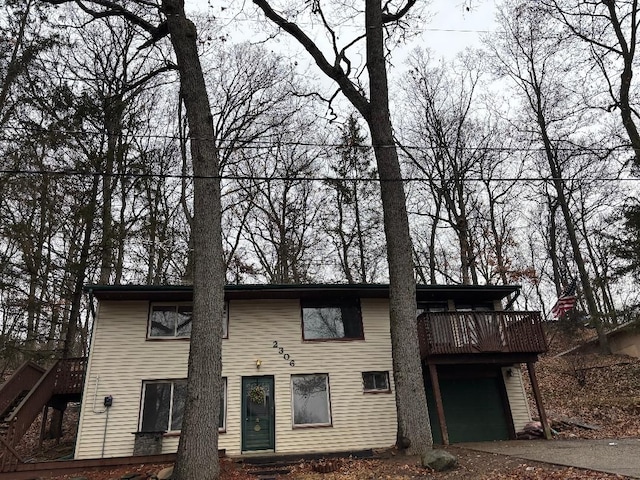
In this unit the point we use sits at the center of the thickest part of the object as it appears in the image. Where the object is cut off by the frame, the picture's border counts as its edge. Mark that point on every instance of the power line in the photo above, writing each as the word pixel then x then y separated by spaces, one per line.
pixel 78 173
pixel 355 26
pixel 305 23
pixel 258 143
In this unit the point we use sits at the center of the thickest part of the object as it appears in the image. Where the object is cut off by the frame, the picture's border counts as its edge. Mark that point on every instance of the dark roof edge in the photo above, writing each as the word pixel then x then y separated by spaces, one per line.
pixel 289 287
pixel 299 290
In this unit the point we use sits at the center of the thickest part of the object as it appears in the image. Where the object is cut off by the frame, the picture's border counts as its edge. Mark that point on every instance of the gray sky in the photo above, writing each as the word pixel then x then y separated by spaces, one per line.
pixel 453 28
pixel 450 29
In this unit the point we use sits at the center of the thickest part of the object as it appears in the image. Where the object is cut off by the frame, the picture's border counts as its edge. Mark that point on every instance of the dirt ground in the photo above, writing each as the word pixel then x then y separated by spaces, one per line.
pixel 472 465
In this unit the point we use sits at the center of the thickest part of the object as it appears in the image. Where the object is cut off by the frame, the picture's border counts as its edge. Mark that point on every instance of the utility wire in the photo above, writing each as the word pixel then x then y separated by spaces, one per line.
pixel 356 26
pixel 78 173
pixel 257 143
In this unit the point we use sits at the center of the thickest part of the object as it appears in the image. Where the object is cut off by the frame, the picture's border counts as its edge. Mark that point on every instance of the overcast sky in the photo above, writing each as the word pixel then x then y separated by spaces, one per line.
pixel 451 28
pixel 448 29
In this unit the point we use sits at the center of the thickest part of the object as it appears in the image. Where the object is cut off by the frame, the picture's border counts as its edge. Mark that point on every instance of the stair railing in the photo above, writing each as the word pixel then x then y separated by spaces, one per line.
pixel 24 378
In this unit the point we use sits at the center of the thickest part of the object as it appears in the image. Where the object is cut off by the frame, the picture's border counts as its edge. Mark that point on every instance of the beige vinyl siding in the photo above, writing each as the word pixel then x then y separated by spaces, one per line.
pixel 121 358
pixel 517 396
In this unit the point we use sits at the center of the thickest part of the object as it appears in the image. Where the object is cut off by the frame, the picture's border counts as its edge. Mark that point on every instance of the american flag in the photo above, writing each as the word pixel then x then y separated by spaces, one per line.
pixel 566 301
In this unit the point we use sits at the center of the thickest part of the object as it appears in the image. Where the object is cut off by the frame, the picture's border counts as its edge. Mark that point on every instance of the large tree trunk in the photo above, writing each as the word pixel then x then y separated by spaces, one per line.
pixel 198 448
pixel 563 203
pixel 411 403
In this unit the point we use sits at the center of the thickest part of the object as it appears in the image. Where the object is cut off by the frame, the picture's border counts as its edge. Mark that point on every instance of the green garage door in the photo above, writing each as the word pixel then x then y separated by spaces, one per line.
pixel 473 408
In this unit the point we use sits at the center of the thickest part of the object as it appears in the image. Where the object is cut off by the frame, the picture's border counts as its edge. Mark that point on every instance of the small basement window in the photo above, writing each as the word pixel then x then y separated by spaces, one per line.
pixel 174 320
pixel 376 382
pixel 332 320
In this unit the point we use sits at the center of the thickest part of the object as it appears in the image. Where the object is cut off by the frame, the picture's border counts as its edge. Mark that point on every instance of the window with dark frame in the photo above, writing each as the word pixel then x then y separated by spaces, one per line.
pixel 332 320
pixel 163 405
pixel 375 382
pixel 174 320
pixel 310 400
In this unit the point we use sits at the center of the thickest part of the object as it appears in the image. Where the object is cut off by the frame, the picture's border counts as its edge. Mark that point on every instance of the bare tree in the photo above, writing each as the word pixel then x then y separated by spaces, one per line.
pixel 284 204
pixel 610 29
pixel 198 447
pixel 21 41
pixel 414 431
pixel 528 53
pixel 356 228
pixel 251 93
pixel 440 104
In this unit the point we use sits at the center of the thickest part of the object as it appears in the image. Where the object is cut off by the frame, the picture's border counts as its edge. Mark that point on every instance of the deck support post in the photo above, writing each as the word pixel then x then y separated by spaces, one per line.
pixel 435 384
pixel 43 426
pixel 538 397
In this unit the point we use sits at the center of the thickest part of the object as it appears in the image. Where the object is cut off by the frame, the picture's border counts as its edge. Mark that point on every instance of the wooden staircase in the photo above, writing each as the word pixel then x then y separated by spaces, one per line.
pixel 27 392
pixel 13 406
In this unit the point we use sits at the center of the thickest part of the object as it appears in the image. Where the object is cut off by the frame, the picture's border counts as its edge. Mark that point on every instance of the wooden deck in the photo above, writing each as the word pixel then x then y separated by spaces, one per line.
pixel 30 471
pixel 481 337
pixel 473 333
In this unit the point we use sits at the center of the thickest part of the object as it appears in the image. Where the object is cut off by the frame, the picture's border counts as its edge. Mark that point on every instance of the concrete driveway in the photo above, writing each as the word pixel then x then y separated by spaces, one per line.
pixel 611 456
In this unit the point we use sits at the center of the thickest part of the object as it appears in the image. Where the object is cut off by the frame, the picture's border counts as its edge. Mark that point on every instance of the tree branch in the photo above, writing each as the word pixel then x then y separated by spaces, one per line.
pixel 394 17
pixel 334 72
pixel 113 9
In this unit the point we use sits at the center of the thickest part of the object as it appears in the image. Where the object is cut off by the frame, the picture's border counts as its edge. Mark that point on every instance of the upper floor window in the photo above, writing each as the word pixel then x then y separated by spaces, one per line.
pixel 332 320
pixel 174 320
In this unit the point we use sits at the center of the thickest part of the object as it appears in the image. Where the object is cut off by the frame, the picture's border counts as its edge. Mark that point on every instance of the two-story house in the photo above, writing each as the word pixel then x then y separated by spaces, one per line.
pixel 306 368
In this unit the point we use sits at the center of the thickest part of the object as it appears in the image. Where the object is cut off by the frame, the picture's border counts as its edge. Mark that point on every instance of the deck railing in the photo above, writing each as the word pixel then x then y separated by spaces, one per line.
pixel 450 333
pixel 70 375
pixel 65 378
pixel 23 379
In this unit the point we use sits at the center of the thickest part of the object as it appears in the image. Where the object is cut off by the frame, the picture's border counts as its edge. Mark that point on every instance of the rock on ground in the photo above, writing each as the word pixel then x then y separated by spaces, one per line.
pixel 165 473
pixel 439 460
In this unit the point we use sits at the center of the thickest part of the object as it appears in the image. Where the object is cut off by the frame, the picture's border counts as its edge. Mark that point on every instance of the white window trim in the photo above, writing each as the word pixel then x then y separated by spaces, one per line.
pixel 311 425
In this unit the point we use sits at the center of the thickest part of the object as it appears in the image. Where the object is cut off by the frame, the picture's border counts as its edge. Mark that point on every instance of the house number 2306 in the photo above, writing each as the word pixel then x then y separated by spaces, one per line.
pixel 286 356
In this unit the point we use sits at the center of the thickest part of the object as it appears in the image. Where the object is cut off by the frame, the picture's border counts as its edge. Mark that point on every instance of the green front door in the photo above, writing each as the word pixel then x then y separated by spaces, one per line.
pixel 258 432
